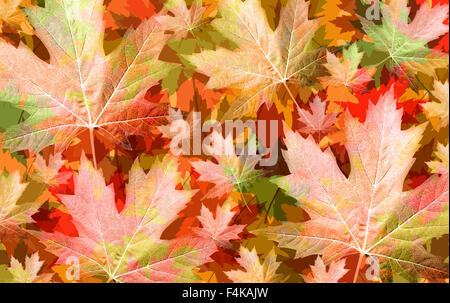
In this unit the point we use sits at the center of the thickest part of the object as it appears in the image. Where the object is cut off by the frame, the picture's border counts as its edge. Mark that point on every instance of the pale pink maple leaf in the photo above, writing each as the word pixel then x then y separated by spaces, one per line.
pixel 218 229
pixel 320 274
pixel 427 24
pixel 317 121
pixel 126 246
pixel 367 212
pixel 183 20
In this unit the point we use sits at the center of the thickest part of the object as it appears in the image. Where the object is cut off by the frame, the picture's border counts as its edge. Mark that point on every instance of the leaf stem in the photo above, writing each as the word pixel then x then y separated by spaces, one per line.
pixel 242 209
pixel 187 179
pixel 355 277
pixel 270 205
pixel 91 138
pixel 195 94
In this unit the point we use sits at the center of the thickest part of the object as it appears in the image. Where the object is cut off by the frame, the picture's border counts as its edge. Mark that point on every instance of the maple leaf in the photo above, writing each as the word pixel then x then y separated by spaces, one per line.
pixel 218 229
pixel 49 174
pixel 81 89
pixel 125 13
pixel 126 246
pixel 345 75
pixel 184 20
pixel 12 15
pixel 5 274
pixel 426 18
pixel 11 213
pixel 29 272
pixel 99 71
pixel 441 163
pixel 396 42
pixel 215 174
pixel 318 121
pixel 437 112
pixel 212 7
pixel 266 59
pixel 368 212
pixel 9 163
pixel 432 62
pixel 12 188
pixel 396 10
pixel 320 274
pixel 230 171
pixel 255 271
pixel 336 17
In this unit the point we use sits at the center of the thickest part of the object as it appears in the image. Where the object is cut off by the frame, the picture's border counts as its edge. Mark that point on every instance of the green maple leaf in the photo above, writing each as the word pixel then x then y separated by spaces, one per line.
pixel 390 47
pixel 397 43
pixel 266 191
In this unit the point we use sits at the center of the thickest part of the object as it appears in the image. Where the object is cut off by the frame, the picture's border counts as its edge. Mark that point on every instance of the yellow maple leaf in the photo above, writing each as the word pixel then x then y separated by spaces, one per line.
pixel 255 271
pixel 11 14
pixel 336 35
pixel 267 62
pixel 437 112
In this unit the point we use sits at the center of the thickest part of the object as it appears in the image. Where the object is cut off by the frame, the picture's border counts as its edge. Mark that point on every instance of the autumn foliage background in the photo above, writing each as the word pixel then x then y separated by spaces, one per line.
pixel 91 192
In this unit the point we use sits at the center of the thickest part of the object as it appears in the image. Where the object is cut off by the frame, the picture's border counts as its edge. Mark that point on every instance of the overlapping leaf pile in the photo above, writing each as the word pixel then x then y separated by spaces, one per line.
pixel 91 189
